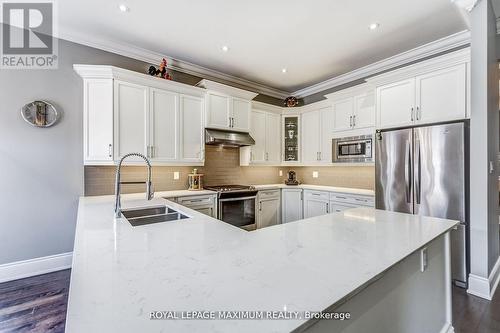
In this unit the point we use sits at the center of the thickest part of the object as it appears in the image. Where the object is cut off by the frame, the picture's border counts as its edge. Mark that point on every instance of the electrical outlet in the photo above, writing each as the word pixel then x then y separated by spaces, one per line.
pixel 315 174
pixel 176 175
pixel 281 173
pixel 423 259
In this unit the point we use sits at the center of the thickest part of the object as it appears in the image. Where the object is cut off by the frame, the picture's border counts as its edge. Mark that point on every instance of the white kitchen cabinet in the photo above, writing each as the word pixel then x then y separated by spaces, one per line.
pixel 131 110
pixel 163 126
pixel 219 112
pixel 431 91
pixel 98 121
pixel 353 109
pixel 205 204
pixel 342 201
pixel 317 136
pixel 336 207
pixel 191 145
pixel 126 112
pixel 291 204
pixel 343 111
pixel 265 130
pixel 441 95
pixel 310 137
pixel 227 108
pixel 268 210
pixel 316 203
pixel 258 133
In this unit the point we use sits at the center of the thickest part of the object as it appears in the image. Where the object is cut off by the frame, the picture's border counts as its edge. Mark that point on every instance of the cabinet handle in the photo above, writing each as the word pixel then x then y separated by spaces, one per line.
pixel 110 150
pixel 320 157
pixel 354 121
pixel 418 113
pixel 327 207
pixel 411 113
pixel 260 206
pixel 267 156
pixel 350 121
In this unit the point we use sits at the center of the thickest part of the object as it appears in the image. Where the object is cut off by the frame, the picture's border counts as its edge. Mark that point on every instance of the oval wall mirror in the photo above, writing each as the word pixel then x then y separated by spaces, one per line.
pixel 40 114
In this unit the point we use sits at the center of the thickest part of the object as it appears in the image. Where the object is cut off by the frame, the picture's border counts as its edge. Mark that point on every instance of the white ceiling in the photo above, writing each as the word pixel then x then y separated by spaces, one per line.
pixel 315 40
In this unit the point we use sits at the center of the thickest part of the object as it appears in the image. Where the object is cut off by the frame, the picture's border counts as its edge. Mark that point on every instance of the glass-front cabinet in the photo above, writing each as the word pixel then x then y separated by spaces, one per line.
pixel 291 139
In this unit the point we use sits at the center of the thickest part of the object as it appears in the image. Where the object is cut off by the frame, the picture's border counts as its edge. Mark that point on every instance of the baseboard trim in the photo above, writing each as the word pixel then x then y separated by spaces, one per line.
pixel 482 287
pixel 26 268
pixel 447 328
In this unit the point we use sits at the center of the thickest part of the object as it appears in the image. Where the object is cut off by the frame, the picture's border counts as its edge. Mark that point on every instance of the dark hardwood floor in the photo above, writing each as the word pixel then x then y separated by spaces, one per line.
pixel 38 304
pixel 35 304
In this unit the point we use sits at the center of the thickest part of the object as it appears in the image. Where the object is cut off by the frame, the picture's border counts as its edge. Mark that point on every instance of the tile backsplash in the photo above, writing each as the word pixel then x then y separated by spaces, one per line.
pixel 222 167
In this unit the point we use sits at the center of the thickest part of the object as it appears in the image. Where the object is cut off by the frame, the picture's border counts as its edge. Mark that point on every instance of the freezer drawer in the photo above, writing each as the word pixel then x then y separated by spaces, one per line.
pixel 458 256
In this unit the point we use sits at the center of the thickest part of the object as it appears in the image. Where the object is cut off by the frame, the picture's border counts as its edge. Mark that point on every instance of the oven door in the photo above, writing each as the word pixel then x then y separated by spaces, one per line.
pixel 239 212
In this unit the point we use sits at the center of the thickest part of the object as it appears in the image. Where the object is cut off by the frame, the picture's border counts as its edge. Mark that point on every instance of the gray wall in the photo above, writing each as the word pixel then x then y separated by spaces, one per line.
pixel 484 140
pixel 41 174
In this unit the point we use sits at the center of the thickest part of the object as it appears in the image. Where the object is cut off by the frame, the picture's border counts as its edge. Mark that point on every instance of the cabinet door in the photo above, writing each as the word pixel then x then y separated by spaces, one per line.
pixel 310 137
pixel 131 111
pixel 336 207
pixel 441 95
pixel 241 114
pixel 326 124
pixel 98 120
pixel 364 110
pixel 164 125
pixel 395 102
pixel 218 111
pixel 315 207
pixel 191 129
pixel 291 203
pixel 258 132
pixel 273 138
pixel 268 213
pixel 342 113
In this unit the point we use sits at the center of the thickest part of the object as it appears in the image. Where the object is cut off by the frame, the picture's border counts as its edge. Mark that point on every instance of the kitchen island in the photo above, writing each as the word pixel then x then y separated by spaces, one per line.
pixel 363 261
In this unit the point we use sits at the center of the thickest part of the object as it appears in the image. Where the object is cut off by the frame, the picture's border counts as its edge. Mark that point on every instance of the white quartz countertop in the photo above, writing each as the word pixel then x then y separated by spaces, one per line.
pixel 318 188
pixel 121 273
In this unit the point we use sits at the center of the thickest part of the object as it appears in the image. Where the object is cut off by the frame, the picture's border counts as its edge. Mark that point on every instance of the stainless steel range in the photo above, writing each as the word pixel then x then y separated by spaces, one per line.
pixel 236 205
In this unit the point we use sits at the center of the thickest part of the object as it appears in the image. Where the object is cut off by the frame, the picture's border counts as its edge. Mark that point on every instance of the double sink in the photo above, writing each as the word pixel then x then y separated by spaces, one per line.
pixel 149 215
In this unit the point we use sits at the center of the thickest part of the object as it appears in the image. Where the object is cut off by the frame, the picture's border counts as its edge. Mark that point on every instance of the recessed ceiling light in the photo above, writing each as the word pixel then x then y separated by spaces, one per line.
pixel 283 70
pixel 224 48
pixel 373 26
pixel 123 8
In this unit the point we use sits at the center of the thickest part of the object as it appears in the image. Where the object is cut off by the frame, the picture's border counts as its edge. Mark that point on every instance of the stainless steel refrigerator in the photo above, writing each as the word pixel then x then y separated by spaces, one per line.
pixel 422 171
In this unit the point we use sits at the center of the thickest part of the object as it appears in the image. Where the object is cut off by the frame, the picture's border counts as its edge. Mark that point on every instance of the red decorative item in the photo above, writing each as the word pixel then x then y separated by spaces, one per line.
pixel 161 71
pixel 291 101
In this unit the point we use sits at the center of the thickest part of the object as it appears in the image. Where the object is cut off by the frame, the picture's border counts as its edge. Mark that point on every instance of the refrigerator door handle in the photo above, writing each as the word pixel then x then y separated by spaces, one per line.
pixel 408 172
pixel 418 176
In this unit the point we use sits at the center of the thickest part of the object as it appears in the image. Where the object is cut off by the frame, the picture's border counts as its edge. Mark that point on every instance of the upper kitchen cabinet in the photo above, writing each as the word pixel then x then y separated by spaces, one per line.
pixel 353 109
pixel 129 112
pixel 317 129
pixel 427 92
pixel 227 108
pixel 265 129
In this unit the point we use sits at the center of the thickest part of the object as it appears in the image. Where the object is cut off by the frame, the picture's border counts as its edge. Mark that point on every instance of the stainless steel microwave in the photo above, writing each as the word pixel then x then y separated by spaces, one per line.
pixel 354 149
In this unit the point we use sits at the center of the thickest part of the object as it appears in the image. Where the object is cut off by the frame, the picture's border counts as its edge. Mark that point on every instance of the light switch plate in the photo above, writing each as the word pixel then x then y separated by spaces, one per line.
pixel 176 175
pixel 315 174
pixel 423 259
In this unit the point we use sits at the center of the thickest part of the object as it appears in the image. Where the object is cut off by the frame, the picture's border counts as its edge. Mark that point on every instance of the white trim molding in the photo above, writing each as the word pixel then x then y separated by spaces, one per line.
pixel 482 287
pixel 151 57
pixel 459 39
pixel 468 5
pixel 26 268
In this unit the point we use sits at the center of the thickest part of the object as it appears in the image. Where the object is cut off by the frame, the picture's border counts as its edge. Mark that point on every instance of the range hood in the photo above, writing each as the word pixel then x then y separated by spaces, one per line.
pixel 227 138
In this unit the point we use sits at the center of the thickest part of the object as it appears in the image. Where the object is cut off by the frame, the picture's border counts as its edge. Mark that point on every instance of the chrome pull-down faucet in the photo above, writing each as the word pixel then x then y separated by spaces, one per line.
pixel 118 182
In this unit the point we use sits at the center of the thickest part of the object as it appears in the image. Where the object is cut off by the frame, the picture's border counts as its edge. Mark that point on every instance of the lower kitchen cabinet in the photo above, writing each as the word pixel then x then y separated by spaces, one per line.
pixel 291 204
pixel 336 207
pixel 316 203
pixel 268 209
pixel 205 204
pixel 342 201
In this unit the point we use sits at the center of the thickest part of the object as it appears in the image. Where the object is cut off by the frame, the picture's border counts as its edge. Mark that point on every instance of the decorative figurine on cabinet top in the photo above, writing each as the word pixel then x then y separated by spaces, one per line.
pixel 161 71
pixel 291 101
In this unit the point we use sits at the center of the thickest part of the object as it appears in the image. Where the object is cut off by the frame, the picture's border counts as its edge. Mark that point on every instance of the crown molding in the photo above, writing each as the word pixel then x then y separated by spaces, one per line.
pixel 151 57
pixel 441 45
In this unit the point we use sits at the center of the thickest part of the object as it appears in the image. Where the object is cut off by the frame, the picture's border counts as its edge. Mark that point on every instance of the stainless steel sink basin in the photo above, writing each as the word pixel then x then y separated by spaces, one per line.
pixel 149 215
